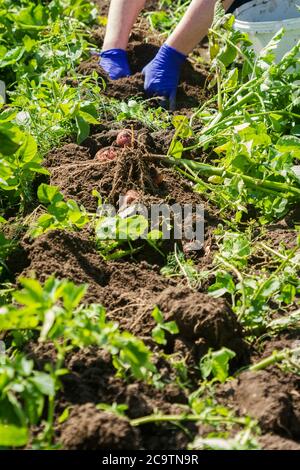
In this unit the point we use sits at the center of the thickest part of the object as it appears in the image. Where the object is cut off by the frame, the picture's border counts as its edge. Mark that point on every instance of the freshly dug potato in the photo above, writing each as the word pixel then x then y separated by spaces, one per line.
pixel 105 155
pixel 124 138
pixel 130 197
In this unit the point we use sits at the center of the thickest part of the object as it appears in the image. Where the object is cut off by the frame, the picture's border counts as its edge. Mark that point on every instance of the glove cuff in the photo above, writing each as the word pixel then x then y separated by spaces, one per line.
pixel 113 53
pixel 172 54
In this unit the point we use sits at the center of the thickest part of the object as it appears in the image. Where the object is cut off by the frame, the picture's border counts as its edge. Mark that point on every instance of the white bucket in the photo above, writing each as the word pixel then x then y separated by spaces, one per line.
pixel 262 19
pixel 297 171
pixel 2 92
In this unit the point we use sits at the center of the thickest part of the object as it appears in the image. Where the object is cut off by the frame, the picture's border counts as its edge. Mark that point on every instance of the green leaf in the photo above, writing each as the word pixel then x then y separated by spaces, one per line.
pixel 217 364
pixel 132 228
pixel 177 149
pixel 83 129
pixel 13 436
pixel 64 415
pixel 31 294
pixel 157 315
pixel 49 194
pixel 88 117
pixel 28 150
pixel 182 126
pixel 224 284
pixel 11 138
pixel 270 287
pixel 171 327
pixel 289 143
pixel 158 335
pixel 44 383
pixel 17 319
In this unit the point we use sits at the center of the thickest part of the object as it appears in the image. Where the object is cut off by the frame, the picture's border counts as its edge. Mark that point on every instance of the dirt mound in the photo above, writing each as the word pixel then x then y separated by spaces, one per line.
pixel 79 173
pixel 90 429
pixel 91 380
pixel 201 319
pixel 65 255
pixel 128 290
pixel 270 396
pixel 77 181
pixel 275 442
pixel 69 153
pixel 191 91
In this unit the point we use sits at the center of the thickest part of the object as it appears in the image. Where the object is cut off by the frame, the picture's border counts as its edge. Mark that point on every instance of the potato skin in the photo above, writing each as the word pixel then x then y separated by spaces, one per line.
pixel 106 155
pixel 124 138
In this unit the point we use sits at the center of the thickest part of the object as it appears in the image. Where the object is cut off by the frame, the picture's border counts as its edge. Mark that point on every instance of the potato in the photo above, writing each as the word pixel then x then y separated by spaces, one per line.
pixel 130 197
pixel 124 138
pixel 105 155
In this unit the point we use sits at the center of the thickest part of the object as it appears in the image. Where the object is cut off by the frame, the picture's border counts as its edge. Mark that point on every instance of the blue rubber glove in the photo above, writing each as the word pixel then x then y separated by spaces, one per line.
pixel 115 63
pixel 162 74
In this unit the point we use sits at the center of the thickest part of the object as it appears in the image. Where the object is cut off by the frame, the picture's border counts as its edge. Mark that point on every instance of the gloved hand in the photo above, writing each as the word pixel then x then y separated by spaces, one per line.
pixel 115 63
pixel 162 74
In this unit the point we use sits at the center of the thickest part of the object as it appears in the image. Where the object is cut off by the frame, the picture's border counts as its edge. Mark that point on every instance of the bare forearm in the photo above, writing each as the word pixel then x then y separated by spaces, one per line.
pixel 121 18
pixel 194 25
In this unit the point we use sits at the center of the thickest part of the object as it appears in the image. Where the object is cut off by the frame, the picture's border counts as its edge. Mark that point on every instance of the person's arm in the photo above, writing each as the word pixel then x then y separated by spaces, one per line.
pixel 194 25
pixel 163 72
pixel 121 18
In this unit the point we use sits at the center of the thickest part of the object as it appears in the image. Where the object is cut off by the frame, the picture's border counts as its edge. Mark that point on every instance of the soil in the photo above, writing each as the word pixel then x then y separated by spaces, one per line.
pixel 271 397
pixel 191 91
pixel 130 288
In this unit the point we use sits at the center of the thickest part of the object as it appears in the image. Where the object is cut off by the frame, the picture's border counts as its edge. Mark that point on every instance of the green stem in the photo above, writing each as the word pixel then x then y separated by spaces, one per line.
pixel 273 359
pixel 263 185
pixel 280 268
pixel 241 279
pixel 178 418
pixel 228 111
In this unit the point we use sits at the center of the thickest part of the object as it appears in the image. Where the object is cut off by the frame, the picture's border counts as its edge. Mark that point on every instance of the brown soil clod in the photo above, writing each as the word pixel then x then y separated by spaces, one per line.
pixel 65 255
pixel 91 429
pixel 207 322
pixel 270 396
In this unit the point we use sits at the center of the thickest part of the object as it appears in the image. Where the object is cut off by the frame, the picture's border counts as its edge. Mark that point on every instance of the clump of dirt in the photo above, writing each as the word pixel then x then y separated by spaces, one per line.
pixel 275 442
pixel 270 396
pixel 91 429
pixel 277 237
pixel 65 255
pixel 77 181
pixel 203 320
pixel 128 290
pixel 68 154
